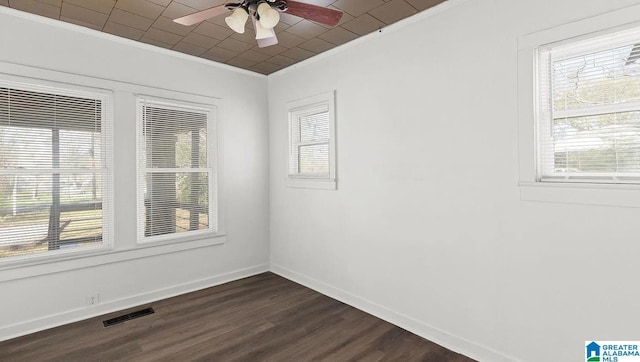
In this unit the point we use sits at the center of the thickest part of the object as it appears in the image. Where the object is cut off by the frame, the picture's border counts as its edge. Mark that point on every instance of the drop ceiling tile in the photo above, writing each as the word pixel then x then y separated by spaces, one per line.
pixel 189 48
pixel 81 23
pixel 166 24
pixel 266 68
pixel 83 14
pixel 218 54
pixel 298 53
pixel 141 7
pixel 176 10
pixel 37 7
pixel 123 30
pixel 155 42
pixel 129 19
pixel 57 3
pixel 306 29
pixel 424 4
pixel 289 40
pixel 4 2
pixel 249 36
pixel 282 60
pixel 254 56
pixel 364 24
pixel 160 2
pixel 200 40
pixel 338 36
pixel 271 50
pixel 357 7
pixel 316 45
pixel 241 62
pixel 103 6
pixel 163 36
pixel 213 30
pixel 234 45
pixel 393 11
pixel 201 4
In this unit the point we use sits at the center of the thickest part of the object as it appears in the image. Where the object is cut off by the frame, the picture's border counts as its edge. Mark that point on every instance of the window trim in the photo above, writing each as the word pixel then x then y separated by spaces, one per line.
pixel 107 201
pixel 625 195
pixel 211 108
pixel 323 181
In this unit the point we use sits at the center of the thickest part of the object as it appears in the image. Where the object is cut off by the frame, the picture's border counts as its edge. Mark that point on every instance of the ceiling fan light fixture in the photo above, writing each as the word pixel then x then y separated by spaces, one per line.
pixel 237 19
pixel 262 32
pixel 269 17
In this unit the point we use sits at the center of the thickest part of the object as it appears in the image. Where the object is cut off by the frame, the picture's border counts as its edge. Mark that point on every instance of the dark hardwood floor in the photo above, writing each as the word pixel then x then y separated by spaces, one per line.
pixel 261 318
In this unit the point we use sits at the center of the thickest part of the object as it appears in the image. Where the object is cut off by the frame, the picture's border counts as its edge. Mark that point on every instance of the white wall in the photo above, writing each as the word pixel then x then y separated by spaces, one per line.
pixel 427 228
pixel 37 297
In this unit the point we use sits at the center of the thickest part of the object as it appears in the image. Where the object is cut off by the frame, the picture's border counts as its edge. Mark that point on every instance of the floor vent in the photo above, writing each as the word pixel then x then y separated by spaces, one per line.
pixel 126 317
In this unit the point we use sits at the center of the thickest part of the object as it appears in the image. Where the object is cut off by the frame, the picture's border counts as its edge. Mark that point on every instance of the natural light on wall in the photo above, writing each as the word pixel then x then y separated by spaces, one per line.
pixel 55 174
pixel 588 112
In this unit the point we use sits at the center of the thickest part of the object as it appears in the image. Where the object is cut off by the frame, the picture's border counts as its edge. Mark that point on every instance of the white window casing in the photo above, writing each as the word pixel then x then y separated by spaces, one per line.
pixel 312 144
pixel 56 185
pixel 177 170
pixel 579 111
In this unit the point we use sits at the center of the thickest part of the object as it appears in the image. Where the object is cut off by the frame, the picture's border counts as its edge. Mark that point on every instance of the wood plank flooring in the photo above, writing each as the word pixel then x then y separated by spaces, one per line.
pixel 261 318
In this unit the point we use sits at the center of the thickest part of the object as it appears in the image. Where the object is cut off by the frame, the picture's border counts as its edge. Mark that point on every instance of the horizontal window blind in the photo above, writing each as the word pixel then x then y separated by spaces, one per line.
pixel 54 170
pixel 309 137
pixel 176 177
pixel 589 109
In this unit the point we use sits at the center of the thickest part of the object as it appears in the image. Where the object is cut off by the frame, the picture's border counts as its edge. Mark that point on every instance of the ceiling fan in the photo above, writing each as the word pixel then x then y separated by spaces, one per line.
pixel 265 15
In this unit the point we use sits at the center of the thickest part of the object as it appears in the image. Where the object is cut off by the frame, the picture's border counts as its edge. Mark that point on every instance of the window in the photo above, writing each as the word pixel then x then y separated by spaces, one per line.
pixel 312 142
pixel 176 170
pixel 55 169
pixel 589 109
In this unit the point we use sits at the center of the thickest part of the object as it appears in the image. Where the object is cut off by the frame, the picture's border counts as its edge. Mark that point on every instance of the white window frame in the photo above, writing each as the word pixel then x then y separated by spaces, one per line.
pixel 532 188
pixel 213 162
pixel 107 204
pixel 295 110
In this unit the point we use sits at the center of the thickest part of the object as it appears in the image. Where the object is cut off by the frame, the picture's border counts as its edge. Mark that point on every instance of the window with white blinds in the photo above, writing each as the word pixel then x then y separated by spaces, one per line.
pixel 55 169
pixel 589 109
pixel 176 170
pixel 311 138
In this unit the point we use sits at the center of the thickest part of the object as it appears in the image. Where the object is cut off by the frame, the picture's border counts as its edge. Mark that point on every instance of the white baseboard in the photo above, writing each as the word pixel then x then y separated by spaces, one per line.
pixel 35 325
pixel 447 340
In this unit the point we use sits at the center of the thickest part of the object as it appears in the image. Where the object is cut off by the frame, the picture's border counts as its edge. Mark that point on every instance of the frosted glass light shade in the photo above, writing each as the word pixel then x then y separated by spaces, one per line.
pixel 262 32
pixel 237 19
pixel 268 17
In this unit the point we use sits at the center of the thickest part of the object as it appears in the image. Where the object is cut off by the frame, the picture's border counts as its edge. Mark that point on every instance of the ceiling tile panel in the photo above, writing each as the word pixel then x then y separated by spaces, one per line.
pixel 103 6
pixel 151 22
pixel 393 11
pixel 141 7
pixel 84 15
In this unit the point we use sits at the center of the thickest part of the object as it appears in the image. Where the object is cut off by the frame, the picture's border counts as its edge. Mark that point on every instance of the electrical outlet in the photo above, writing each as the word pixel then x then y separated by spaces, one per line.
pixel 93 299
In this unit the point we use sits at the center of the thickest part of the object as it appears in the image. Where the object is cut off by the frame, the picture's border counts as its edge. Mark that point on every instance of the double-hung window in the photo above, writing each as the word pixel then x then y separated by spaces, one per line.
pixel 176 170
pixel 312 159
pixel 55 169
pixel 588 116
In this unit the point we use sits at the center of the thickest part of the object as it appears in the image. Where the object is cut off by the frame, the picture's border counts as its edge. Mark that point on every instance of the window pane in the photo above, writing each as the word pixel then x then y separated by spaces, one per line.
pixel 314 158
pixel 174 138
pixel 603 143
pixel 314 127
pixel 176 202
pixel 41 212
pixel 610 76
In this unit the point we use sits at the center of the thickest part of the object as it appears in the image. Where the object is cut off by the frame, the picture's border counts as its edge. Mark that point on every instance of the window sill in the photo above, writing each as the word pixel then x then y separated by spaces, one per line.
pixel 621 195
pixel 311 183
pixel 35 267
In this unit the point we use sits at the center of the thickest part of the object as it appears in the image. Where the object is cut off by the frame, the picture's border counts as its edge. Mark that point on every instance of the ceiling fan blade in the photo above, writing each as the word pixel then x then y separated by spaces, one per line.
pixel 315 13
pixel 267 42
pixel 201 15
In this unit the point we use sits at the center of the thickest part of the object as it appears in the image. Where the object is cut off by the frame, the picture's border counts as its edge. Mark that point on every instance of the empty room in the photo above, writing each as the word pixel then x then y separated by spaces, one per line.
pixel 335 180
